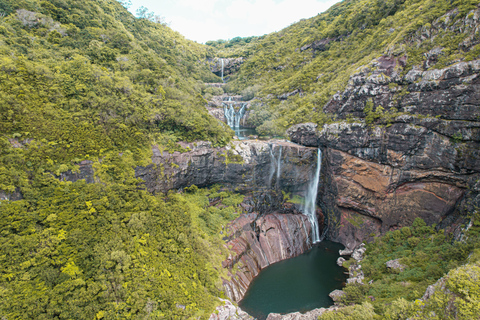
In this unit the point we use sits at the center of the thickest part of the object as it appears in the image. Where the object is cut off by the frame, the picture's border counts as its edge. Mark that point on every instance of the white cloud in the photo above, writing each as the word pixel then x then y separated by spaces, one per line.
pixel 225 19
pixel 205 6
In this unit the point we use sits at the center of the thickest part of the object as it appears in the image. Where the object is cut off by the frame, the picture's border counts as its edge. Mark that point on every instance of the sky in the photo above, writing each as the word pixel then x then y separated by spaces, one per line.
pixel 203 20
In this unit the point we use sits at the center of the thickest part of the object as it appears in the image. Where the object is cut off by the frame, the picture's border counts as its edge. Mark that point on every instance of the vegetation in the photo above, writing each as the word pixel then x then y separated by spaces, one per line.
pixel 427 255
pixel 109 250
pixel 86 80
pixel 354 33
pixel 89 81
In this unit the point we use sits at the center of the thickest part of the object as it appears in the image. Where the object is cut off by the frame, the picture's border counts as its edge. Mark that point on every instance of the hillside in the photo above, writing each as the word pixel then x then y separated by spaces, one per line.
pixel 296 71
pixel 85 83
pixel 103 128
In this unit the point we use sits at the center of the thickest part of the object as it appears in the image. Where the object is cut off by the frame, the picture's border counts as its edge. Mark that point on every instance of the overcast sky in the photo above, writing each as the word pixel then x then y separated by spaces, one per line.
pixel 203 20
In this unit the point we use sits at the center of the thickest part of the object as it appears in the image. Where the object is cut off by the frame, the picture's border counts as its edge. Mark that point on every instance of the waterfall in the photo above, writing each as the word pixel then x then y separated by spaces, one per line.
pixel 233 117
pixel 222 70
pixel 311 200
pixel 272 166
pixel 279 166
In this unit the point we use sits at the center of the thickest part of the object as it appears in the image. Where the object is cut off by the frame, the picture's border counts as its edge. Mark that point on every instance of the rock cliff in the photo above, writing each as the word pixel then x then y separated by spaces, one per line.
pixel 421 159
pixel 256 241
pixel 246 165
pixel 230 65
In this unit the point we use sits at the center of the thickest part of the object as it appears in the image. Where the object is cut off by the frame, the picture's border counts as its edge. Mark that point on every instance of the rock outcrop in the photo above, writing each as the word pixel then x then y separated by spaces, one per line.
pixel 246 165
pixel 310 315
pixel 228 311
pixel 406 143
pixel 256 241
pixel 423 162
pixel 230 65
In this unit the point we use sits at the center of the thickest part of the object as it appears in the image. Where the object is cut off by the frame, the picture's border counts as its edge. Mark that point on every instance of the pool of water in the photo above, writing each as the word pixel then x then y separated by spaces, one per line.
pixel 242 133
pixel 298 284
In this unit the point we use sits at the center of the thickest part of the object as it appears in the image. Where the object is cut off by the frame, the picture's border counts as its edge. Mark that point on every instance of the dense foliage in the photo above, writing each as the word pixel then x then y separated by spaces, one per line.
pixel 427 255
pixel 109 250
pixel 86 80
pixel 355 32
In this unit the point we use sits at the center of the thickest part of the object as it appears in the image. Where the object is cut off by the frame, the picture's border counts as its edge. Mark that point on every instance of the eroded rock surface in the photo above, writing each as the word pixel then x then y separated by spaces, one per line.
pixel 422 163
pixel 256 241
pixel 245 165
pixel 229 312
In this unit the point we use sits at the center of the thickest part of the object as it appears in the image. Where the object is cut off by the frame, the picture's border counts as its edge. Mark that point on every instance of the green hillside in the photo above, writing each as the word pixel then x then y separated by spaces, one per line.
pixel 355 33
pixel 86 80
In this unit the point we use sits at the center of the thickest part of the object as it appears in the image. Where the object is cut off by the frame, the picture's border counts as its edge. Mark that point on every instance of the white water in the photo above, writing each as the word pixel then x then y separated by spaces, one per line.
pixel 222 71
pixel 272 166
pixel 279 166
pixel 233 117
pixel 311 200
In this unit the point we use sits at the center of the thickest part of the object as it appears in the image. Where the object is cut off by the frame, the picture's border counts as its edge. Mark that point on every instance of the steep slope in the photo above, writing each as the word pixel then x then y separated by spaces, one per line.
pixel 298 70
pixel 85 90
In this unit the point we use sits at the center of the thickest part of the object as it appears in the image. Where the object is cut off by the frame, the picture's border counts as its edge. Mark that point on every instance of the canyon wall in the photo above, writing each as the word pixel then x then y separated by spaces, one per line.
pixel 256 241
pixel 421 160
pixel 246 165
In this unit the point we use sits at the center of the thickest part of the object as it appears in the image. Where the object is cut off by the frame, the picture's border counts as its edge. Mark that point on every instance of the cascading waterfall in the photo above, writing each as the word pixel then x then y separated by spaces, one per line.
pixel 233 117
pixel 311 200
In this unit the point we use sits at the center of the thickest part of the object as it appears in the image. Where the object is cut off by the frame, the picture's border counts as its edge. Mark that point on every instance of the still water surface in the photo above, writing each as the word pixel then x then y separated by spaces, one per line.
pixel 298 284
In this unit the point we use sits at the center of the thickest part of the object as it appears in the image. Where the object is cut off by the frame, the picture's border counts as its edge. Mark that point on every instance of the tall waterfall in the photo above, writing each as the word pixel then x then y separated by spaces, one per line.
pixel 311 200
pixel 279 166
pixel 272 166
pixel 222 71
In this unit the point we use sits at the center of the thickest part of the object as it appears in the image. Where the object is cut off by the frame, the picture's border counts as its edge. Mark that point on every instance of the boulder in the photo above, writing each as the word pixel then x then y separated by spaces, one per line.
pixel 395 265
pixel 337 295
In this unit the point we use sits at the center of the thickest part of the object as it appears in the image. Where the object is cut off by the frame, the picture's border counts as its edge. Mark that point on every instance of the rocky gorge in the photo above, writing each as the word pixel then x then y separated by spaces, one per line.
pixel 422 163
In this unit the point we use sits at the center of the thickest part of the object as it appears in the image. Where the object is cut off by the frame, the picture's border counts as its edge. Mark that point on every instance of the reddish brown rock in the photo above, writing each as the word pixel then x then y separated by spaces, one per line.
pixel 258 241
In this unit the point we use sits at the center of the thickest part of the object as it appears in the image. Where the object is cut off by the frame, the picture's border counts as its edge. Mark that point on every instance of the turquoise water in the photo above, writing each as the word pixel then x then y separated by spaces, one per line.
pixel 298 284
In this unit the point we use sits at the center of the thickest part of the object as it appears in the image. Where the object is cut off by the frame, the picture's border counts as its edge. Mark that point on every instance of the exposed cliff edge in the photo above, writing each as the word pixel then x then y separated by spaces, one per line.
pixel 423 161
pixel 245 165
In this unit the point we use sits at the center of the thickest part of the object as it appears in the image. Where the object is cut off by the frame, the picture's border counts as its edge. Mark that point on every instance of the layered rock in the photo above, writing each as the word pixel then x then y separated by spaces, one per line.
pixel 421 162
pixel 245 165
pixel 230 65
pixel 256 241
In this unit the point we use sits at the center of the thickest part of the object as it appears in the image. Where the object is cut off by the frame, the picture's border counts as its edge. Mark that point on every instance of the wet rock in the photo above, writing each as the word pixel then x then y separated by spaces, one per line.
pixel 256 241
pixel 340 261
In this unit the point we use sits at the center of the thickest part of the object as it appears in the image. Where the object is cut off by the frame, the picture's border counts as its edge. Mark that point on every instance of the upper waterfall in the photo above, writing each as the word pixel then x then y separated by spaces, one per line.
pixel 223 66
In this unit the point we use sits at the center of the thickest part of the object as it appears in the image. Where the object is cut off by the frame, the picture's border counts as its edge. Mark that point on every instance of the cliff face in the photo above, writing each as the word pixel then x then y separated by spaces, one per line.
pixel 423 161
pixel 256 241
pixel 245 165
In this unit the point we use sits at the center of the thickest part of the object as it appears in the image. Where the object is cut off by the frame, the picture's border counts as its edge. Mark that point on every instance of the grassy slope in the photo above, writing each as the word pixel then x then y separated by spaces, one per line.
pixel 363 30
